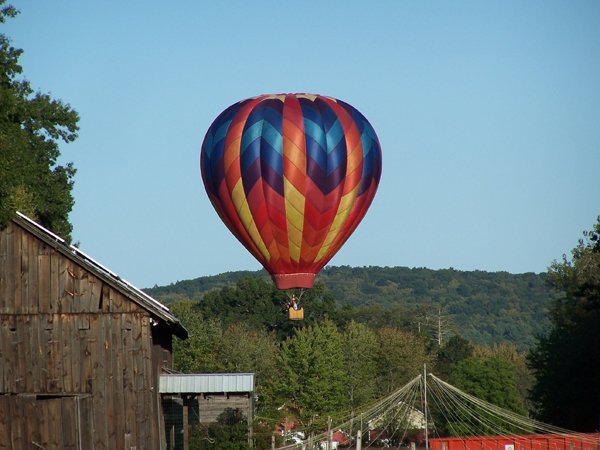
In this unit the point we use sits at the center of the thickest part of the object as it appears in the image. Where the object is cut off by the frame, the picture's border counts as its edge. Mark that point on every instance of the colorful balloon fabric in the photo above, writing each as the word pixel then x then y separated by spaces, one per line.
pixel 291 176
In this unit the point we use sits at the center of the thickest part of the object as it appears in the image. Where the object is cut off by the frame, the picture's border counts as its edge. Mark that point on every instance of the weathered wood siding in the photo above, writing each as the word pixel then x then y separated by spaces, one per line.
pixel 78 365
pixel 211 406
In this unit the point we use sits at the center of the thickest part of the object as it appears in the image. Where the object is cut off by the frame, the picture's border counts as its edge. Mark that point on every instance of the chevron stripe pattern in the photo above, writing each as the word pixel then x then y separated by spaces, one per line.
pixel 291 176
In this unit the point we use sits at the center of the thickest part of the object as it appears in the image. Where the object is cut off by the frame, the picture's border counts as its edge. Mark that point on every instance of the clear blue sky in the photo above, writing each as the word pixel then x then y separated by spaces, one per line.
pixel 488 113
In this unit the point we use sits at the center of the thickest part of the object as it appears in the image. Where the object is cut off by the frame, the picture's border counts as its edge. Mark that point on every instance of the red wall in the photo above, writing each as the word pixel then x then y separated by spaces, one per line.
pixel 526 442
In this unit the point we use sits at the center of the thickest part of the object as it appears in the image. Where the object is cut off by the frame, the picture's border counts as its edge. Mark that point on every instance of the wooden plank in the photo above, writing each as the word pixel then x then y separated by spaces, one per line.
pixel 43 281
pixel 69 425
pixel 20 339
pixel 5 421
pixel 45 336
pixel 51 408
pixel 24 273
pixel 38 323
pixel 16 270
pixel 30 425
pixel 24 353
pixel 34 300
pixel 117 359
pixel 116 301
pixel 88 339
pixel 94 291
pixel 85 408
pixel 104 303
pixel 74 274
pixel 9 350
pixel 4 353
pixel 100 396
pixel 88 289
pixel 55 305
pixel 110 380
pixel 77 346
pixel 4 304
pixel 69 348
pixel 186 423
pixel 9 282
pixel 128 383
pixel 54 360
pixel 65 285
pixel 143 402
pixel 151 373
pixel 17 418
pixel 43 425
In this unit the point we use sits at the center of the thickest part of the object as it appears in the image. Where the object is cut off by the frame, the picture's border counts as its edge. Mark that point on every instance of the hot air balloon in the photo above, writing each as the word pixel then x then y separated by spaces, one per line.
pixel 291 176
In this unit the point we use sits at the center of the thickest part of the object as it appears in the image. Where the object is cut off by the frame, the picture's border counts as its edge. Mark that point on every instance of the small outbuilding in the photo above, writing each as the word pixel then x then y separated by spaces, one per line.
pixel 81 349
pixel 200 398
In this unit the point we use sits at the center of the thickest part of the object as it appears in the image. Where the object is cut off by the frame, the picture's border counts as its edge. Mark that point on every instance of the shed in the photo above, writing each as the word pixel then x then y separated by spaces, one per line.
pixel 206 395
pixel 81 349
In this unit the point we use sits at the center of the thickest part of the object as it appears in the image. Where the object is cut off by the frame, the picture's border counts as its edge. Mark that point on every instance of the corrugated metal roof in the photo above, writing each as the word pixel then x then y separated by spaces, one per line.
pixel 204 383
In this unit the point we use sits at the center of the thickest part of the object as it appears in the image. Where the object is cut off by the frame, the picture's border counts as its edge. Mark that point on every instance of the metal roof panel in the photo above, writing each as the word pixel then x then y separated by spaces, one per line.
pixel 205 383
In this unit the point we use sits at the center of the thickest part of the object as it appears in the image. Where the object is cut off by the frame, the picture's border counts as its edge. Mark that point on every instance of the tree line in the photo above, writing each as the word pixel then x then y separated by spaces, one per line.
pixel 483 307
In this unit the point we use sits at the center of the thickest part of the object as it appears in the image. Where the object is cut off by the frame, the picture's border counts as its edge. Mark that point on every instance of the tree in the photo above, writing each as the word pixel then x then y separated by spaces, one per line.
pixel 454 351
pixel 492 379
pixel 258 303
pixel 489 378
pixel 359 347
pixel 243 349
pixel 200 351
pixel 566 361
pixel 31 126
pixel 313 373
pixel 400 358
pixel 518 360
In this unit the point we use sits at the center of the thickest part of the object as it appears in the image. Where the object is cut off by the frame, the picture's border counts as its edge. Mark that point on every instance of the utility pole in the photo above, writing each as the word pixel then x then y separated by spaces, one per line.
pixel 425 406
pixel 439 333
pixel 329 434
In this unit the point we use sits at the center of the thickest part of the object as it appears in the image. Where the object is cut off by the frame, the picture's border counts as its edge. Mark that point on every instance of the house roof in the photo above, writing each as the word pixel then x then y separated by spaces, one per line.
pixel 206 383
pixel 153 306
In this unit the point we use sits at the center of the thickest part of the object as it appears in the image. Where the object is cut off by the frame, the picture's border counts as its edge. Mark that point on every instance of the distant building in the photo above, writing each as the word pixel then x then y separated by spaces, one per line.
pixel 81 349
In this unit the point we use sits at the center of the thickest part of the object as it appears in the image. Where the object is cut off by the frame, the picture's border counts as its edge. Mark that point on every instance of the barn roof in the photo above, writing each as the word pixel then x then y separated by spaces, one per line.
pixel 206 383
pixel 154 307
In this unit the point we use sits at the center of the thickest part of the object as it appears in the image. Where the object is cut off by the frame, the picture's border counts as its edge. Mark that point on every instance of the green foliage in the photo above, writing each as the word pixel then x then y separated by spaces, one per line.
pixel 230 432
pixel 489 378
pixel 257 303
pixel 485 308
pixel 400 357
pixel 566 360
pixel 199 352
pixel 313 373
pixel 360 362
pixel 31 126
pixel 453 352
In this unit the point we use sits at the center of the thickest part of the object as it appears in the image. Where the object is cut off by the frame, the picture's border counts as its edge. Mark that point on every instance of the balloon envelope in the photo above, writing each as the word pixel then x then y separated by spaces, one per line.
pixel 291 176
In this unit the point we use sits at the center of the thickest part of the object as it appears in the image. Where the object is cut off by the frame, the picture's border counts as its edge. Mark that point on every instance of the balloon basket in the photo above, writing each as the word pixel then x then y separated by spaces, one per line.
pixel 296 314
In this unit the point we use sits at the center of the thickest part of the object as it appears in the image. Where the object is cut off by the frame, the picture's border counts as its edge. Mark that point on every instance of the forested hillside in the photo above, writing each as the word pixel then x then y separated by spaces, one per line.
pixel 483 307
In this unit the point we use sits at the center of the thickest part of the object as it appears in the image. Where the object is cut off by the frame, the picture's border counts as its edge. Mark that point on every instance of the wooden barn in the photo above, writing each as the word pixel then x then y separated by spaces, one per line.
pixel 81 349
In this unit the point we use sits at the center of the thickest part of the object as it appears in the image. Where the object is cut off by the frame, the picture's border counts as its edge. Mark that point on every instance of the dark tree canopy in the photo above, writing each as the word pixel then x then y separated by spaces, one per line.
pixel 566 361
pixel 31 126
